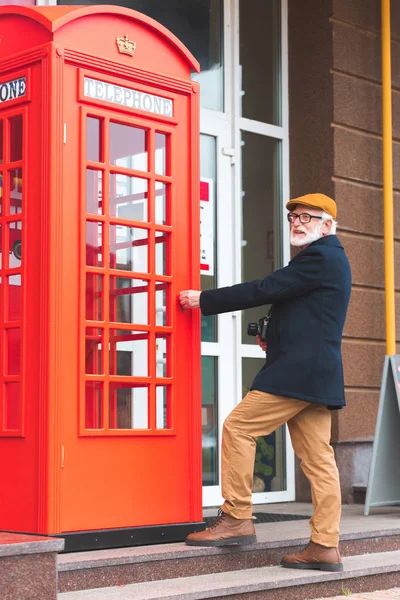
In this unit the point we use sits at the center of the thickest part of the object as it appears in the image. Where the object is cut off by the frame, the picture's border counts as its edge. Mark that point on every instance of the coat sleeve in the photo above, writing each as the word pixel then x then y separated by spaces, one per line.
pixel 303 274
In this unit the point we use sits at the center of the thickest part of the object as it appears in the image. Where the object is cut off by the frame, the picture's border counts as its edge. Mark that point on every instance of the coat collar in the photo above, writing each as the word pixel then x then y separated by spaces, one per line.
pixel 328 240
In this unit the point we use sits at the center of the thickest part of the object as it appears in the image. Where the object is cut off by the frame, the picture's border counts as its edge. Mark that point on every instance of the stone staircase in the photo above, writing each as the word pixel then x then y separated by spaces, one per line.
pixel 362 573
pixel 370 547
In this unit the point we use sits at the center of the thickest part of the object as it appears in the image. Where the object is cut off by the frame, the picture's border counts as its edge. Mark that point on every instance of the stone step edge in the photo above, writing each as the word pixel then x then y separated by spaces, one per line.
pixel 163 552
pixel 218 585
pixel 16 544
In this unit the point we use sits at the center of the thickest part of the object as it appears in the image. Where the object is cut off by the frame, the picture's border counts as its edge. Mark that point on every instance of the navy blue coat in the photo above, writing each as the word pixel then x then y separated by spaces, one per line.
pixel 309 301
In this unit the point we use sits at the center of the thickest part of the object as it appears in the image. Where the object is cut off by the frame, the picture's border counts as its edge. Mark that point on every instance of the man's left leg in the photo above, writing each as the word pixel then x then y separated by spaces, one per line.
pixel 310 431
pixel 257 414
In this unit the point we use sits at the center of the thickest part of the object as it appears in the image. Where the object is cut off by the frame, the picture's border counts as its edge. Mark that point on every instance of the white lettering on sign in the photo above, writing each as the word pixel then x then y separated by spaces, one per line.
pixel 207 240
pixel 12 89
pixel 117 94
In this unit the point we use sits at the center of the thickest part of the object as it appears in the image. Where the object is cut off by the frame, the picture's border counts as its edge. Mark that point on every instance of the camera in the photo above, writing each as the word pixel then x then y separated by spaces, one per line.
pixel 259 328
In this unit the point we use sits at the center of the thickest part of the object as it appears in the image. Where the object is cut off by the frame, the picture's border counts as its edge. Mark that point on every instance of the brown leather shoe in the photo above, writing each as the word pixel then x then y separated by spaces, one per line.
pixel 224 531
pixel 314 556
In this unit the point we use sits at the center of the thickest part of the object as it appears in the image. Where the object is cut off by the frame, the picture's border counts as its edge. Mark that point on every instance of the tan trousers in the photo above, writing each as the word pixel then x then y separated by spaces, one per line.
pixel 309 425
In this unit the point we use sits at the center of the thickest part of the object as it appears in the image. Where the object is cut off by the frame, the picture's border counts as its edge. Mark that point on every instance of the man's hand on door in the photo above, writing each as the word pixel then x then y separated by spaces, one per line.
pixel 189 299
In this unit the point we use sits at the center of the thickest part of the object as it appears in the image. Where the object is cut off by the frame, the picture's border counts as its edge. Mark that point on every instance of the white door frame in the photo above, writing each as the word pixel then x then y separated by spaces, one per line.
pixel 229 349
pixel 218 126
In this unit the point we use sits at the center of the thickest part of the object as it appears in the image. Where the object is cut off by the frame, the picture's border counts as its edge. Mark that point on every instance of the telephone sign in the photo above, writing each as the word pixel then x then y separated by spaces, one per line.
pixel 10 90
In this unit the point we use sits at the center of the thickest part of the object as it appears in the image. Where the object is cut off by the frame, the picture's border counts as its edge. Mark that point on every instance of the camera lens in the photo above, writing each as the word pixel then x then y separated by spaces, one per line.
pixel 252 329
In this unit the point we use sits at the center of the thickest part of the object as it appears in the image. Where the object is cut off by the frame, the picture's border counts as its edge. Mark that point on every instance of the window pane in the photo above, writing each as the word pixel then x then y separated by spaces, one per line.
pixel 162 352
pixel 128 197
pixel 260 214
pixel 208 229
pixel 162 303
pixel 16 139
pixel 15 191
pixel 94 351
pixel 209 408
pixel 161 154
pixel 14 298
pixel 14 244
pixel 94 249
pixel 163 253
pixel 13 401
pixel 93 405
pixel 13 341
pixel 129 353
pixel 162 208
pixel 128 407
pixel 94 297
pixel 129 248
pixel 129 300
pixel 270 462
pixel 94 191
pixel 163 410
pixel 128 147
pixel 93 139
pixel 260 60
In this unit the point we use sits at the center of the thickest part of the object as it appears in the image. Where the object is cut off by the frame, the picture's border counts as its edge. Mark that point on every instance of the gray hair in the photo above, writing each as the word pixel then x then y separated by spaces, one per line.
pixel 326 217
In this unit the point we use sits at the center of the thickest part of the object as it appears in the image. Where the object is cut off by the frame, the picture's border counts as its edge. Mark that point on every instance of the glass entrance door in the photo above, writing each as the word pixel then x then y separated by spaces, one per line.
pixel 241 226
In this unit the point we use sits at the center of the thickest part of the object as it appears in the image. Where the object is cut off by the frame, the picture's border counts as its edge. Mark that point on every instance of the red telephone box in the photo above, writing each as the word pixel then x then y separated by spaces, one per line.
pixel 100 422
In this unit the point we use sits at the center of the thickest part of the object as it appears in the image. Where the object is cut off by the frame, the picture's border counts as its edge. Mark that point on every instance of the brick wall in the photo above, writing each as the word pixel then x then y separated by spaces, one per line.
pixel 336 148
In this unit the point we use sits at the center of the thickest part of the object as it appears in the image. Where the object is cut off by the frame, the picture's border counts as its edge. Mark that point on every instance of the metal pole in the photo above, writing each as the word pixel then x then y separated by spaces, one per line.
pixel 388 181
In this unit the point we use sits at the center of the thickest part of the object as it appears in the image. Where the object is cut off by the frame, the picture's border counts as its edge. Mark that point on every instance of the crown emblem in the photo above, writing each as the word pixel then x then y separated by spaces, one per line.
pixel 125 46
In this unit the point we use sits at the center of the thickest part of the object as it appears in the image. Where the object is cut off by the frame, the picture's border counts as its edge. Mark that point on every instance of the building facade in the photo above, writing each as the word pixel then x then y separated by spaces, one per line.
pixel 290 104
pixel 336 145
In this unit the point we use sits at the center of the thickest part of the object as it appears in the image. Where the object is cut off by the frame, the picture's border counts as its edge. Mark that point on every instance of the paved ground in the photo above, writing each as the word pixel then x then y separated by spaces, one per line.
pixel 393 594
pixel 349 511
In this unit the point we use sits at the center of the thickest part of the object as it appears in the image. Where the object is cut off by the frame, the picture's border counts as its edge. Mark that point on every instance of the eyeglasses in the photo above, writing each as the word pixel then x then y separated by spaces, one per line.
pixel 303 218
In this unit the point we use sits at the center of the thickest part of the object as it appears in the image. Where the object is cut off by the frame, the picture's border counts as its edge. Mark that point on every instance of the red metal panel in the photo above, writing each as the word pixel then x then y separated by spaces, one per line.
pixel 20 292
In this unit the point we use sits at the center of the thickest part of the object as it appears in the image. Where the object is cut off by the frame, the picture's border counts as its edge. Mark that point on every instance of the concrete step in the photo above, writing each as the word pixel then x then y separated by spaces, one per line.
pixel 122 566
pixel 361 574
pixel 392 594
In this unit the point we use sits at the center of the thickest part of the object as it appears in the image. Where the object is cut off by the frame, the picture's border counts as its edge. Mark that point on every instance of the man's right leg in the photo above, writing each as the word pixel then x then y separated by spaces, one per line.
pixel 258 414
pixel 310 432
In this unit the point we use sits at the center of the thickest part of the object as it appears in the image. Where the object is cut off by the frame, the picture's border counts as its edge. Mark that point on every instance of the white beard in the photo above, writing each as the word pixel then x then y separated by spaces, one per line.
pixel 307 239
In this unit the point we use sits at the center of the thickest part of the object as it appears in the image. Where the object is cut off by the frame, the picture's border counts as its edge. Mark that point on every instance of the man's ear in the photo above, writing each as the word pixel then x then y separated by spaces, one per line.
pixel 326 227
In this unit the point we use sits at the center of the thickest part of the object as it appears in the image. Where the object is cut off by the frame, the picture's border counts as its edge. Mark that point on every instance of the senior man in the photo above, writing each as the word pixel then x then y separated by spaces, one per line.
pixel 300 383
